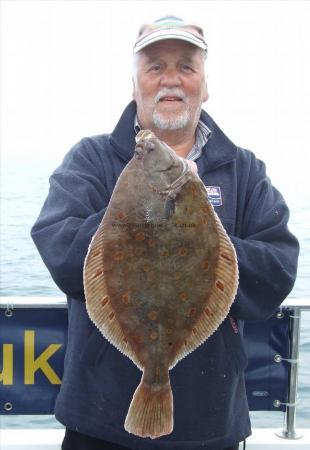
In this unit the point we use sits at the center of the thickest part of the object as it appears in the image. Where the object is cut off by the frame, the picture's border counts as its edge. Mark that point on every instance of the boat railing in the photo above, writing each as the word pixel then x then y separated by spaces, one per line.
pixel 293 307
pixel 296 306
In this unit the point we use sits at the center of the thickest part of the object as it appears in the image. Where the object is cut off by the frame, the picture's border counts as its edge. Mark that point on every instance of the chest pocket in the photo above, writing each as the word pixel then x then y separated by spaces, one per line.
pixel 228 224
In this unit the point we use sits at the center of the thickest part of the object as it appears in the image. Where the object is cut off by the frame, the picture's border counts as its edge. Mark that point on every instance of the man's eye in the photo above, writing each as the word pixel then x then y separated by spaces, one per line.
pixel 155 68
pixel 186 68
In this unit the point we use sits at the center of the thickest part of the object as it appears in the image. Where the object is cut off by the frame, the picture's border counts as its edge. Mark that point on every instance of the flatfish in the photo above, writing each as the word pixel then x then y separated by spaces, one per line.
pixel 160 274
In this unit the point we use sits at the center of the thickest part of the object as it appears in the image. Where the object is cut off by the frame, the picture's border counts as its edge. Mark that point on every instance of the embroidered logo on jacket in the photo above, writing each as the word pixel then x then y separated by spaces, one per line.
pixel 214 195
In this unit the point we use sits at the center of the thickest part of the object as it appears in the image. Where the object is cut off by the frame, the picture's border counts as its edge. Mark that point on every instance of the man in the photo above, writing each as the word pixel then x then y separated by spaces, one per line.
pixel 210 405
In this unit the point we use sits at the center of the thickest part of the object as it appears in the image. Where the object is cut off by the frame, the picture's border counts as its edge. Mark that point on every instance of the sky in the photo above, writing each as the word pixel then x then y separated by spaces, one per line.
pixel 66 74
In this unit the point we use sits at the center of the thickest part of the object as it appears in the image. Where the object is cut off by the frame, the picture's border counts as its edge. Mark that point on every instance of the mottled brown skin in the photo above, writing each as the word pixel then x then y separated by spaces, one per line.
pixel 152 264
pixel 159 276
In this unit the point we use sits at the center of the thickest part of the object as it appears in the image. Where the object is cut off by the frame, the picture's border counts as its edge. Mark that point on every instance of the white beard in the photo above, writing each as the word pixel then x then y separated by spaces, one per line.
pixel 173 123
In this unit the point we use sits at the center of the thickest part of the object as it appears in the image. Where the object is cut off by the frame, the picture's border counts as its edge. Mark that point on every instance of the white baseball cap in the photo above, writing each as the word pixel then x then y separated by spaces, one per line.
pixel 170 27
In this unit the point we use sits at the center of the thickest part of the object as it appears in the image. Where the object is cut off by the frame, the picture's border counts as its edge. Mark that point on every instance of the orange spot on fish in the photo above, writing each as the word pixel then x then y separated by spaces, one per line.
pixel 177 275
pixel 226 257
pixel 191 312
pixel 164 252
pixel 178 221
pixel 183 251
pixel 204 210
pixel 125 340
pixel 153 315
pixel 140 236
pixel 205 265
pixel 146 268
pixel 111 315
pixel 120 215
pixel 220 285
pixel 118 256
pixel 138 338
pixel 153 335
pixel 105 300
pixel 183 296
pixel 208 312
pixel 194 331
pixel 125 298
pixel 151 243
pixel 97 273
pixel 205 220
pixel 194 190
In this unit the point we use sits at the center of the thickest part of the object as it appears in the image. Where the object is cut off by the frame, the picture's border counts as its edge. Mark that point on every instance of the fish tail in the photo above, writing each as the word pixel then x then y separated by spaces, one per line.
pixel 151 411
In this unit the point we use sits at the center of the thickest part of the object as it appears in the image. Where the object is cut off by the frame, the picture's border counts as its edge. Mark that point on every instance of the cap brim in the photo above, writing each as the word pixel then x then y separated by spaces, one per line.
pixel 169 34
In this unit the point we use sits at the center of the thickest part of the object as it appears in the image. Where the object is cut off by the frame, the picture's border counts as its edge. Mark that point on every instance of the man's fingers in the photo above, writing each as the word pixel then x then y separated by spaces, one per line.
pixel 192 165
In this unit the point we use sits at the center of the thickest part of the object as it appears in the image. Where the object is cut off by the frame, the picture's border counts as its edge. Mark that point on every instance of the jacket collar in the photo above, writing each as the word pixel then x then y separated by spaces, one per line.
pixel 218 150
pixel 123 135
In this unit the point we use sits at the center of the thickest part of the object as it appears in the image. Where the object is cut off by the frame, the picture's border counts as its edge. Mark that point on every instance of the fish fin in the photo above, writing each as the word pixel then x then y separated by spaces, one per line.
pixel 170 203
pixel 169 207
pixel 150 412
pixel 222 295
pixel 98 304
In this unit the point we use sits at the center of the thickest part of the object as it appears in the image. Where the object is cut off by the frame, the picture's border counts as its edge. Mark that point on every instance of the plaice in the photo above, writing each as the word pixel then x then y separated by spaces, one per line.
pixel 160 275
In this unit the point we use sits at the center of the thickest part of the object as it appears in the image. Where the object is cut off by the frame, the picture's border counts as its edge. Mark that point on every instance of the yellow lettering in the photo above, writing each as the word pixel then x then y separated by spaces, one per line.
pixel 6 376
pixel 32 364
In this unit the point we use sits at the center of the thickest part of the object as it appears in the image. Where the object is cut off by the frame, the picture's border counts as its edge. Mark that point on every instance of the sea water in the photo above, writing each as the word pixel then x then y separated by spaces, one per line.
pixel 24 186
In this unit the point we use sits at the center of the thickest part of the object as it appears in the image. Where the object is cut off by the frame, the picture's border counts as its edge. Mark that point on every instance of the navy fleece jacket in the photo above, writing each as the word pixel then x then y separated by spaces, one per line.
pixel 210 402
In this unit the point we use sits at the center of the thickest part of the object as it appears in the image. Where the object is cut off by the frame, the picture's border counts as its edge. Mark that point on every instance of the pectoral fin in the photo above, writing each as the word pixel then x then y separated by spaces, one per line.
pixel 169 206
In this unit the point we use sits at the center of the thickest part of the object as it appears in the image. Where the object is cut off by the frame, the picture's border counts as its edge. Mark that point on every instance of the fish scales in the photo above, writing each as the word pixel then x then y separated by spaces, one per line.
pixel 160 274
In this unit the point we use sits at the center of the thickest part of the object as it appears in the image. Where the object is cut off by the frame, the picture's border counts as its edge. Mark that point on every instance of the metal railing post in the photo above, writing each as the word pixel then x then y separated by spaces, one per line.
pixel 289 431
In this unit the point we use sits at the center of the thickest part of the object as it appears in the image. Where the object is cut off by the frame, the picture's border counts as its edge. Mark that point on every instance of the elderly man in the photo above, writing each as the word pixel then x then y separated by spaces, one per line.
pixel 210 405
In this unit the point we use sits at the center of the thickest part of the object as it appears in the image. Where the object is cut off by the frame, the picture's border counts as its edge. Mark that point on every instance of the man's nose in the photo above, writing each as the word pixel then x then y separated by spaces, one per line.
pixel 170 77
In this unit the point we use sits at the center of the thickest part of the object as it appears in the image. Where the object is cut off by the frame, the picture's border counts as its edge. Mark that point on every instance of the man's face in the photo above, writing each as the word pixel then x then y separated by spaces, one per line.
pixel 169 85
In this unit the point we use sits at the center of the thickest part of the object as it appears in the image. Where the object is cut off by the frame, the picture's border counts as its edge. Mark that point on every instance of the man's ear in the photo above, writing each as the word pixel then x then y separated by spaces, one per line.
pixel 133 89
pixel 205 93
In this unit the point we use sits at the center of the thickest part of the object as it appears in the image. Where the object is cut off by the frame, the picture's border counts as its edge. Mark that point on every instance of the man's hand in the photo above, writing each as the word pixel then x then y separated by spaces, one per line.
pixel 193 166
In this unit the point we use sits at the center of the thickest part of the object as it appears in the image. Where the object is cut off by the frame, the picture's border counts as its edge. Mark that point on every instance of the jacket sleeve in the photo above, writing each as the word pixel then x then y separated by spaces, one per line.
pixel 267 252
pixel 70 216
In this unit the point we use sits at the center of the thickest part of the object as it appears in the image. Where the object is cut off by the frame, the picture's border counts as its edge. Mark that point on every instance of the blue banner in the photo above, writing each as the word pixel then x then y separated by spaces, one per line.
pixel 33 344
pixel 266 379
pixel 32 350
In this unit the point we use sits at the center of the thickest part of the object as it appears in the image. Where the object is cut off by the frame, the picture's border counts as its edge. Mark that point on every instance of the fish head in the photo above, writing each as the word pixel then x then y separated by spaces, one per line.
pixel 162 165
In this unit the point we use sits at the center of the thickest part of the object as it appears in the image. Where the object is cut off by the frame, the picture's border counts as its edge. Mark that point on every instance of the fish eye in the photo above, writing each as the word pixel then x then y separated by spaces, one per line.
pixel 149 146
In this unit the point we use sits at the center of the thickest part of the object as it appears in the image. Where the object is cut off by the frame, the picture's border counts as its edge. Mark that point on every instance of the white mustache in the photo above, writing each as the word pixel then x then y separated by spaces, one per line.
pixel 165 92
